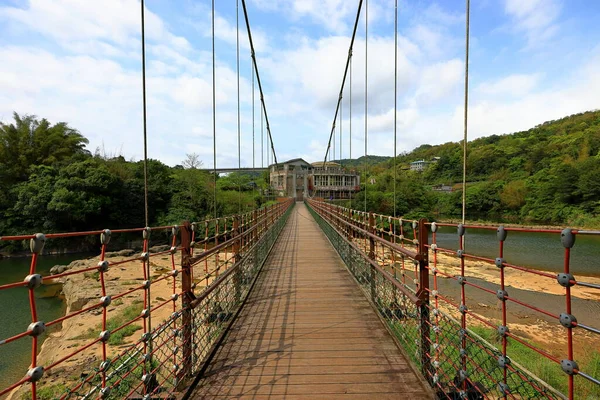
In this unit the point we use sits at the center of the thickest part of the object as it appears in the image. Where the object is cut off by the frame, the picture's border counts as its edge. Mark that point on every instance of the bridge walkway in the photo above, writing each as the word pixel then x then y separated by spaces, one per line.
pixel 307 331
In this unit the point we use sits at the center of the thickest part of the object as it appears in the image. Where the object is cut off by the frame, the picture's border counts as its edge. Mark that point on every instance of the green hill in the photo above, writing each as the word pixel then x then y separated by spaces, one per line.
pixel 361 161
pixel 547 174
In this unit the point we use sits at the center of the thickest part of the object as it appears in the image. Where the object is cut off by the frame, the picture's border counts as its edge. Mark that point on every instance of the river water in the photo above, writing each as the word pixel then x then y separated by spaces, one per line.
pixel 537 250
pixel 15 313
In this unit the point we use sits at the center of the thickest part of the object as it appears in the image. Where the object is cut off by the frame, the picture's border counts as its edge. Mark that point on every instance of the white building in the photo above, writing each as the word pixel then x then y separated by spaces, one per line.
pixel 297 178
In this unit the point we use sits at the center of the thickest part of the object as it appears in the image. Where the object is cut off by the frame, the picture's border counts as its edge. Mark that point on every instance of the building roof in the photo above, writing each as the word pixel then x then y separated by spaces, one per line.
pixel 327 164
pixel 292 161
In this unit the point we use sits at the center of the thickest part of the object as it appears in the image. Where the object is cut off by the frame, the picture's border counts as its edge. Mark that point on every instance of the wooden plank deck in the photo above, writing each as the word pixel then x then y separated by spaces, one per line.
pixel 307 331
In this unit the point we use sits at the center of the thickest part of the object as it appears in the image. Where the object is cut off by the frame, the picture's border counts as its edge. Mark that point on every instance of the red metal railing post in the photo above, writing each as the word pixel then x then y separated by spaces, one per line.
pixel 186 298
pixel 349 218
pixel 237 257
pixel 254 226
pixel 372 255
pixel 569 365
pixel 423 295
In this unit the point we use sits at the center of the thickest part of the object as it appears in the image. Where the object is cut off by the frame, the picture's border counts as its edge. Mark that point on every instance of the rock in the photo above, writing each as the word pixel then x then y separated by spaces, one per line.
pixel 58 269
pixel 120 253
pixel 158 249
pixel 77 295
pixel 78 263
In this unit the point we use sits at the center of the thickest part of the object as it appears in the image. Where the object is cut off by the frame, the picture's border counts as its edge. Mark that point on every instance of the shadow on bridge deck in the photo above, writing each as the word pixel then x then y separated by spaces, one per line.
pixel 307 331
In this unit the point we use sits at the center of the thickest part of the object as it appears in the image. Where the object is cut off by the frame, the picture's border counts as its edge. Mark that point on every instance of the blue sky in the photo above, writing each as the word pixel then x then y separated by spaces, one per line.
pixel 79 61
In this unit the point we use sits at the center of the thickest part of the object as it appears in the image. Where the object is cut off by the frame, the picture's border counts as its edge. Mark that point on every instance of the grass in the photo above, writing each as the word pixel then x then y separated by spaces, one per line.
pixel 549 371
pixel 117 338
pixel 546 370
pixel 47 392
pixel 92 275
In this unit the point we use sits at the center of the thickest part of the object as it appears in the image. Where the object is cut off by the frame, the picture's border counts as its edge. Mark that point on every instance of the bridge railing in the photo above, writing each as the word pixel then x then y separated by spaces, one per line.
pixel 141 326
pixel 470 323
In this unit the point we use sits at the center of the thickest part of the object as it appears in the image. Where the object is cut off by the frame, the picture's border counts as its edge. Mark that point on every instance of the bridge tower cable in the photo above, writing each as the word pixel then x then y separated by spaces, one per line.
pixel 239 129
pixel 395 98
pixel 262 97
pixel 253 125
pixel 148 298
pixel 466 114
pixel 366 95
pixel 350 108
pixel 214 109
pixel 262 141
pixel 350 118
pixel 348 59
pixel 340 146
pixel 463 298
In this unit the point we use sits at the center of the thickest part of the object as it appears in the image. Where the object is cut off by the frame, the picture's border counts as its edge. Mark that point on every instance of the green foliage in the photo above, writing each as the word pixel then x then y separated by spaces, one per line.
pixel 29 142
pixel 50 183
pixel 361 161
pixel 547 174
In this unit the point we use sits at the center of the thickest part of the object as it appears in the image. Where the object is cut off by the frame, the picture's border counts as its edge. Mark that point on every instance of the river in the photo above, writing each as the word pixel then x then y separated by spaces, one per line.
pixel 542 251
pixel 15 313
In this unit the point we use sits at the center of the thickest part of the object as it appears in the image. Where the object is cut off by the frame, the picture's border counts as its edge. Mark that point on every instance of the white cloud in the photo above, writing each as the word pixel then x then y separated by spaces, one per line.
pixel 114 21
pixel 333 15
pixel 535 19
pixel 86 71
pixel 513 85
pixel 96 85
pixel 438 80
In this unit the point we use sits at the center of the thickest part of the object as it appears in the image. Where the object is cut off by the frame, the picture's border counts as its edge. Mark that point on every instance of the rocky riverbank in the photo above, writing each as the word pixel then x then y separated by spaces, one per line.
pixel 84 290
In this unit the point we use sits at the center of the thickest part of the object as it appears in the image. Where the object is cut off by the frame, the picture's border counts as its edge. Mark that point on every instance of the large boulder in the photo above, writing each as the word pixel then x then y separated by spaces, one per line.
pixel 58 269
pixel 158 249
pixel 120 253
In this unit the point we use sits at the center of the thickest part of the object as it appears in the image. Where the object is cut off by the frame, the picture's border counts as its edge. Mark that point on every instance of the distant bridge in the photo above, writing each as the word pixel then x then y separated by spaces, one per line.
pixel 230 170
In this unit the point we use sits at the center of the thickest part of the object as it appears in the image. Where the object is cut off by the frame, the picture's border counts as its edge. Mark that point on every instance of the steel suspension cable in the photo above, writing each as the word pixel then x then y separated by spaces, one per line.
pixel 337 108
pixel 366 93
pixel 239 129
pixel 253 140
pixel 341 119
pixel 466 115
pixel 262 97
pixel 350 119
pixel 147 219
pixel 395 97
pixel 333 147
pixel 350 108
pixel 262 142
pixel 144 117
pixel 214 109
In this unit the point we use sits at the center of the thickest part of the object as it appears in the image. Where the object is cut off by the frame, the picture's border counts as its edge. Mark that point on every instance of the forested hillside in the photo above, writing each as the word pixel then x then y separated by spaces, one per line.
pixel 548 174
pixel 49 182
pixel 362 161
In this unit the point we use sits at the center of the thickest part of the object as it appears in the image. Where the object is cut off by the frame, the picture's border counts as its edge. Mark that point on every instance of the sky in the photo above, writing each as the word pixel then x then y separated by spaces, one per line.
pixel 79 61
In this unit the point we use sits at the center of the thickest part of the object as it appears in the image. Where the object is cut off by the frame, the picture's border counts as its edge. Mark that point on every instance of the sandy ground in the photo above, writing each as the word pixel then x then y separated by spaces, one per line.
pixel 518 279
pixel 530 326
pixel 84 290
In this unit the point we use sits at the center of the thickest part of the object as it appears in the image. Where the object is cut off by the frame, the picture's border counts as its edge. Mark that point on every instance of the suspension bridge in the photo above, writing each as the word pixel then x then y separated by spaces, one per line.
pixel 303 300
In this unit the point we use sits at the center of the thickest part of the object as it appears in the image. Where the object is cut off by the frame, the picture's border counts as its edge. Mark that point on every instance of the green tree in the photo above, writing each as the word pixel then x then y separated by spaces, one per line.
pixel 30 142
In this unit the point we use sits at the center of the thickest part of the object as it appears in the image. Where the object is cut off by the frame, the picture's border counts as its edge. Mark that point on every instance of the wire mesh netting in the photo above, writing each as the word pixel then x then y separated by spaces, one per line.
pixel 461 352
pixel 144 345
